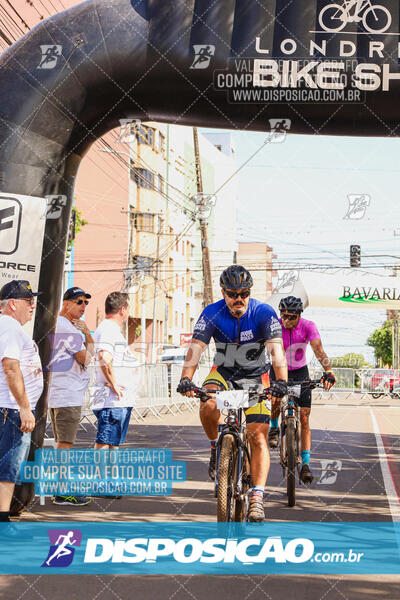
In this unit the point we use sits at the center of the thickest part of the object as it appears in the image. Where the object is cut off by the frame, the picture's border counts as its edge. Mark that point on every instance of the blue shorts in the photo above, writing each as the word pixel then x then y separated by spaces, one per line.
pixel 112 425
pixel 14 445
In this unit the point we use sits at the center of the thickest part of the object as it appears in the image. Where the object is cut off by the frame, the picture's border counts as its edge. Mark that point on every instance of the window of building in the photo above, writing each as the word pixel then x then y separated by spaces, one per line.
pixel 176 319
pixel 142 263
pixel 182 321
pixel 183 248
pixel 161 143
pixel 145 135
pixel 176 282
pixel 177 245
pixel 144 222
pixel 143 178
pixel 160 184
pixel 183 284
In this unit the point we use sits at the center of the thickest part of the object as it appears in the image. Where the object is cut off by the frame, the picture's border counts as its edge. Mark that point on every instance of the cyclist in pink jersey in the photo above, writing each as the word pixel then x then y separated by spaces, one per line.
pixel 297 333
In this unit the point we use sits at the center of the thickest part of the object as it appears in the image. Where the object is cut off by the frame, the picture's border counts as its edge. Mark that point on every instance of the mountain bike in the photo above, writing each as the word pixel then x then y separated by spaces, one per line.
pixel 375 18
pixel 290 435
pixel 233 479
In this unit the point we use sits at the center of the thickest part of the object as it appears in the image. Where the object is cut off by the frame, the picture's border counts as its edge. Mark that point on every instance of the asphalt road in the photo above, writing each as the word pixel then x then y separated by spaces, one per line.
pixel 355 456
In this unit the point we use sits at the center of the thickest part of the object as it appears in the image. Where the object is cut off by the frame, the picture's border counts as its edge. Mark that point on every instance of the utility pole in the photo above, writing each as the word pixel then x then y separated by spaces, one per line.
pixel 203 203
pixel 156 275
pixel 394 314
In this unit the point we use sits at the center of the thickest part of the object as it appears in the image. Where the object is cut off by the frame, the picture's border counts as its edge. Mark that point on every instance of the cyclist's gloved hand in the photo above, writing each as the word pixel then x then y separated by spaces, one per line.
pixel 278 388
pixel 328 377
pixel 185 385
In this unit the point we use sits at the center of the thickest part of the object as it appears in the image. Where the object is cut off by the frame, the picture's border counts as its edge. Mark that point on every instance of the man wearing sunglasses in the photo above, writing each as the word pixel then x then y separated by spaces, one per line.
pixel 72 349
pixel 243 330
pixel 297 333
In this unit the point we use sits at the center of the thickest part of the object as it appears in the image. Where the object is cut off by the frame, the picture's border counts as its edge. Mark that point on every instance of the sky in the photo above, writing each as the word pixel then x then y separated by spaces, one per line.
pixel 293 195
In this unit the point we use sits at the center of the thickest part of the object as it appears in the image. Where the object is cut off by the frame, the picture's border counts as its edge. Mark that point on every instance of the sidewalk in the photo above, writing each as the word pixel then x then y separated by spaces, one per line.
pixel 191 500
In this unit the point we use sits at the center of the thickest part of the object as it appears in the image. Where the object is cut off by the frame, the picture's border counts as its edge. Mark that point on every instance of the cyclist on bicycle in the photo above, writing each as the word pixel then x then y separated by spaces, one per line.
pixel 297 333
pixel 243 329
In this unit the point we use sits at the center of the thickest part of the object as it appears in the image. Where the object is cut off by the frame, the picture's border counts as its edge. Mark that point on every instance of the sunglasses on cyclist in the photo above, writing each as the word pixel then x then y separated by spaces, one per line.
pixel 289 317
pixel 80 301
pixel 235 295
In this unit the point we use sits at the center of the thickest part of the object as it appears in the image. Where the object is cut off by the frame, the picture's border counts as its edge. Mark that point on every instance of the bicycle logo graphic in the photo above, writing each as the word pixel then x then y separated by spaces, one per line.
pixel 374 17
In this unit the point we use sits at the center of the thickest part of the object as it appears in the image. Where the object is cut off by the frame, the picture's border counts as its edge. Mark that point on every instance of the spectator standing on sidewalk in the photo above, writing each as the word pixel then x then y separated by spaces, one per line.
pixel 72 350
pixel 21 385
pixel 116 375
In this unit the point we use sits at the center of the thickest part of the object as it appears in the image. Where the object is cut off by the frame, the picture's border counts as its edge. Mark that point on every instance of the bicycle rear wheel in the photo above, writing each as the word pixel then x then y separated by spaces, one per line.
pixel 241 507
pixel 291 461
pixel 226 479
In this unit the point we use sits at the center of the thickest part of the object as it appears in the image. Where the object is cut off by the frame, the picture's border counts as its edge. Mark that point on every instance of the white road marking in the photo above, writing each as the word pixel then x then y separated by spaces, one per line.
pixel 391 493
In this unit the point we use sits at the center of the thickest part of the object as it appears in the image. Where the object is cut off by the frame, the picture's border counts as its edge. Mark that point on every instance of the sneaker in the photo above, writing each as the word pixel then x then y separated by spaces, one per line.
pixel 273 437
pixel 109 497
pixel 256 509
pixel 212 465
pixel 71 500
pixel 305 475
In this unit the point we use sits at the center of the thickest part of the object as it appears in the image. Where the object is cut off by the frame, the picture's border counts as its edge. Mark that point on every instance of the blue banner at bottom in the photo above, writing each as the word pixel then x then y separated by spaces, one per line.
pixel 200 548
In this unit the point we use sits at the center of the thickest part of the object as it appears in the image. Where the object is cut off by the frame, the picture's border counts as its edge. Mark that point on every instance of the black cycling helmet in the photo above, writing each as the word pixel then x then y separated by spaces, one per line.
pixel 235 277
pixel 291 304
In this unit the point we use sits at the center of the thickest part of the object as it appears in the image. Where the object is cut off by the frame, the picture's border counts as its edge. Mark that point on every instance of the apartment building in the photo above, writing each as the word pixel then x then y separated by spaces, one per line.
pixel 142 233
pixel 258 257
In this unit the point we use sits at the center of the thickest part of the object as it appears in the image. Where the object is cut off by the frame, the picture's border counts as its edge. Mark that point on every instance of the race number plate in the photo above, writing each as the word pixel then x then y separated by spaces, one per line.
pixel 232 399
pixel 294 391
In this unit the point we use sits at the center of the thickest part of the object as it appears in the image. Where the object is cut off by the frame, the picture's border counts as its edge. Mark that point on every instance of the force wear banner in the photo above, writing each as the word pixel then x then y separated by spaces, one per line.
pixel 22 222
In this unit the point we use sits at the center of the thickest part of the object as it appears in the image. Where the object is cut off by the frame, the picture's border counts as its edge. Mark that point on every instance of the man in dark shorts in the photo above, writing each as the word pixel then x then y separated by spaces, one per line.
pixel 243 329
pixel 297 333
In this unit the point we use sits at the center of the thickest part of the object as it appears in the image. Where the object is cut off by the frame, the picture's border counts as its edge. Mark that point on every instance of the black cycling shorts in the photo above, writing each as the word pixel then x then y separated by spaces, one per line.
pixel 299 375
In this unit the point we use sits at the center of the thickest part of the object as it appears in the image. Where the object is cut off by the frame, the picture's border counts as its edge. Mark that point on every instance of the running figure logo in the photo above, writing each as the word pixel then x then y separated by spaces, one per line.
pixel 374 17
pixel 279 129
pixel 55 205
pixel 286 282
pixel 50 56
pixel 358 204
pixel 203 56
pixel 330 470
pixel 61 552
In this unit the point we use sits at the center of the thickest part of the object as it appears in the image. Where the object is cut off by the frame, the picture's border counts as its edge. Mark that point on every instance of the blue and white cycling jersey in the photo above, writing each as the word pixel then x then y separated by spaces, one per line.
pixel 240 341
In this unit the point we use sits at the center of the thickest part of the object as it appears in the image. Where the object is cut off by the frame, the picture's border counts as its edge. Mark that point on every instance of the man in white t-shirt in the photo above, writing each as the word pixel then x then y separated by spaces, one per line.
pixel 72 349
pixel 116 375
pixel 21 385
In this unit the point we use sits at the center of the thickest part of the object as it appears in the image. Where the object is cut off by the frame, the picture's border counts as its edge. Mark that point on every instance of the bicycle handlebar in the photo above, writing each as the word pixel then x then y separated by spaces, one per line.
pixel 205 395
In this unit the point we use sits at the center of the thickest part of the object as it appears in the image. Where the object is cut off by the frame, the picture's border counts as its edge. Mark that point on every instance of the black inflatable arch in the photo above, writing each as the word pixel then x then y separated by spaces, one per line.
pixel 180 61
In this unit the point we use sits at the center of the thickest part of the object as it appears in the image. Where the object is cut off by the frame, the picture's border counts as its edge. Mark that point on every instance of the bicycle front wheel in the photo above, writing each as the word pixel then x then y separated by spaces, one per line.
pixel 226 479
pixel 291 461
pixel 241 507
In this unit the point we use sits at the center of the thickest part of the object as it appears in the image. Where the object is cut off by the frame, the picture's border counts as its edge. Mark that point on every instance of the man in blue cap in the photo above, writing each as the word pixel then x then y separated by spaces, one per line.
pixel 21 385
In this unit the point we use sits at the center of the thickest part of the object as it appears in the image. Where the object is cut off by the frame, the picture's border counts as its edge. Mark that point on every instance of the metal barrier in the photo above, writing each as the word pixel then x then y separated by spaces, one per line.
pixel 158 382
pixel 380 382
pixel 154 397
pixel 345 378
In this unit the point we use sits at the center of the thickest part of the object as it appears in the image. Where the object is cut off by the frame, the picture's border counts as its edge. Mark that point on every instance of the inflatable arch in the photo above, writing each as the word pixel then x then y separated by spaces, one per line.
pixel 318 67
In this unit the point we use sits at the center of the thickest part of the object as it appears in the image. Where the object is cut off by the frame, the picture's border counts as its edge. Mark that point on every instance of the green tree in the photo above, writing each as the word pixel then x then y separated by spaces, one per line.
pixel 381 342
pixel 76 224
pixel 352 360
